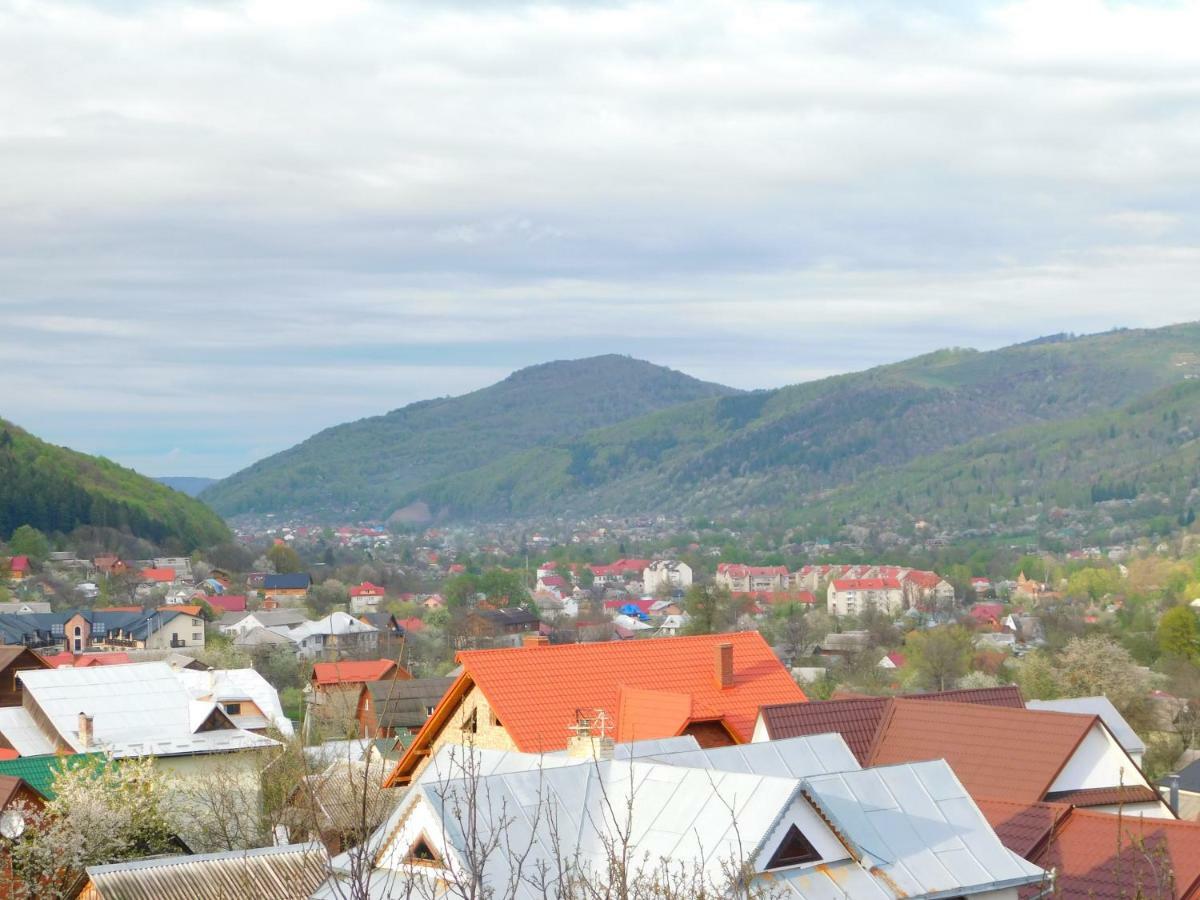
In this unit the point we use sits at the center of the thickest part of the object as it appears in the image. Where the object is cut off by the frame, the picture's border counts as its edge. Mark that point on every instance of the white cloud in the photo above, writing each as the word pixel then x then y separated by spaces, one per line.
pixel 225 202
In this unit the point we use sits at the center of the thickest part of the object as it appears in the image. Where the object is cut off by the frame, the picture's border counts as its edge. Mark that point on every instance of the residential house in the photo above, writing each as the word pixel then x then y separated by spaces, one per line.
pixel 19 568
pixel 295 585
pixel 340 805
pixel 227 603
pixel 482 625
pixel 151 578
pixel 741 579
pixel 81 660
pixel 334 689
pixel 666 575
pixel 122 628
pixel 24 607
pixel 844 644
pixel 1186 784
pixel 14 660
pixel 337 636
pixel 110 564
pixel 853 596
pixel 798 819
pixel 366 597
pixel 926 590
pixel 180 565
pixel 396 708
pixel 288 872
pixel 619 572
pixel 526 698
pixel 1023 754
pixel 238 623
pixel 555 584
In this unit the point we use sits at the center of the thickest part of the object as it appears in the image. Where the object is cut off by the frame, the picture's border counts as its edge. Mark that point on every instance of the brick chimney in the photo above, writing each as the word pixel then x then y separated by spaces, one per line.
pixel 85 730
pixel 535 640
pixel 724 665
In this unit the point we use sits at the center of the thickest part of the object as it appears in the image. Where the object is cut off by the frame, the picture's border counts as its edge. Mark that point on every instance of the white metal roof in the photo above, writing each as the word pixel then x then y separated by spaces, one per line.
pixel 798 757
pixel 334 623
pixel 917 824
pixel 233 686
pixel 22 732
pixel 140 709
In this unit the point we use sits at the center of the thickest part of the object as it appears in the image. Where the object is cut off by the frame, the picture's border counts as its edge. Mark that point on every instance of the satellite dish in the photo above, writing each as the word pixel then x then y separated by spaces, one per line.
pixel 12 824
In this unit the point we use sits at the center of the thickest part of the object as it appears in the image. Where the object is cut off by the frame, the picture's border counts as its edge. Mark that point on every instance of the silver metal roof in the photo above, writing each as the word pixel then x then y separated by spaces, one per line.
pixel 794 757
pixel 22 732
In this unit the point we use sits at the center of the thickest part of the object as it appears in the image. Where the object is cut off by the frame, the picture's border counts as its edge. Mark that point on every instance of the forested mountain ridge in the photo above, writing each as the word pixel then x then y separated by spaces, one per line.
pixel 788 448
pixel 372 465
pixel 810 448
pixel 56 489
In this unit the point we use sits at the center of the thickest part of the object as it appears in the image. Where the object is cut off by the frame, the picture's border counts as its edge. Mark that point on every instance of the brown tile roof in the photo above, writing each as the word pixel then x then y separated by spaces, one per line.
pixel 993 750
pixel 857 719
pixel 1021 827
pixel 1083 851
pixel 1106 796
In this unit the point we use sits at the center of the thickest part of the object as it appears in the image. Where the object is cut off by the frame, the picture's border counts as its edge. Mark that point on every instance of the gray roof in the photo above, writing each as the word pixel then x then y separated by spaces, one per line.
pixel 405 703
pixel 798 757
pixel 290 872
pixel 139 709
pixel 1096 706
pixel 918 826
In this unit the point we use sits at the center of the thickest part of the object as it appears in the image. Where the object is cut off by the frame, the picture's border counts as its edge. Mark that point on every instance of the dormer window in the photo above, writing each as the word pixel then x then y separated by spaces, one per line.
pixel 794 850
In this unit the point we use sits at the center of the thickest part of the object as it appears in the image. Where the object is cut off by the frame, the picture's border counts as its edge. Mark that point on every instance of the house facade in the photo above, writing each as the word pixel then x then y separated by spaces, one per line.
pixel 851 596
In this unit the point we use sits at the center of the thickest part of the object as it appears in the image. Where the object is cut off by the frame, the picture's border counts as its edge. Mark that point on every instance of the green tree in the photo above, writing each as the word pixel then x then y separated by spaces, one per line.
pixel 1093 583
pixel 1092 666
pixel 1178 634
pixel 1037 677
pixel 940 656
pixel 28 541
pixel 284 559
pixel 710 608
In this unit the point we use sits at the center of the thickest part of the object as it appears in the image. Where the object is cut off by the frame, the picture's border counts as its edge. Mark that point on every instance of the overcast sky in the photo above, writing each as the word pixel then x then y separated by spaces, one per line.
pixel 226 225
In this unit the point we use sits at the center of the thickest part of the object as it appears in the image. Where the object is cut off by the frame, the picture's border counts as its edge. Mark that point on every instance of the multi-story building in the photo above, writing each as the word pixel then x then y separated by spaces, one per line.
pixel 741 579
pixel 851 596
pixel 666 574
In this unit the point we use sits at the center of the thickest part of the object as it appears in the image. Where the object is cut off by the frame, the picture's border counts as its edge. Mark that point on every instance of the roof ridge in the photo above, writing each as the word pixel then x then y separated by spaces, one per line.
pixel 885 722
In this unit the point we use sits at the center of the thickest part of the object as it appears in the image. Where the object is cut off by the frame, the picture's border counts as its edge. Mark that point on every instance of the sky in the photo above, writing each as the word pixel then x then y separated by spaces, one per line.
pixel 227 225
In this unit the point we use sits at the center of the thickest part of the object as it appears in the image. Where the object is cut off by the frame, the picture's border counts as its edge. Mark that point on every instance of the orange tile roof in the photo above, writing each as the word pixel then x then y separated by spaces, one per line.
pixel 165 576
pixel 182 608
pixel 355 672
pixel 650 688
pixel 1084 853
pixel 992 749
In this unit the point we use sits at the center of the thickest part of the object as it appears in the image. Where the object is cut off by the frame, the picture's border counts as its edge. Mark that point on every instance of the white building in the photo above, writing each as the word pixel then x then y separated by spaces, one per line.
pixel 668 574
pixel 851 596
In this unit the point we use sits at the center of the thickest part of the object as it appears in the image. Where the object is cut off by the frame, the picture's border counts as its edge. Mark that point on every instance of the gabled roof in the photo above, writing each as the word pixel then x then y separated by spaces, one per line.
pixel 537 691
pixel 1083 851
pixel 159 576
pixel 355 671
pixel 39 771
pixel 1096 706
pixel 230 603
pixel 336 622
pixel 405 704
pixel 858 719
pixel 19 564
pixel 295 581
pixel 993 750
pixel 366 589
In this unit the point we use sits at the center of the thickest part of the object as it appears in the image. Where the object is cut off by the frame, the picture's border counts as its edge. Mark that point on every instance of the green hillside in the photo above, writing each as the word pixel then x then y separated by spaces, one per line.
pixel 787 449
pixel 56 489
pixel 370 466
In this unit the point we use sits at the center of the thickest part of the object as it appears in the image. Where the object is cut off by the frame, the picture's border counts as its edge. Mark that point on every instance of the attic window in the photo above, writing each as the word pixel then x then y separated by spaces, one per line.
pixel 471 722
pixel 793 850
pixel 423 854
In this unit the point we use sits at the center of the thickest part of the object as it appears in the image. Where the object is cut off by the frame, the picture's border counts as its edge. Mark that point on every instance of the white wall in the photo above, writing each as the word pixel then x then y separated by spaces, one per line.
pixel 1099 761
pixel 812 827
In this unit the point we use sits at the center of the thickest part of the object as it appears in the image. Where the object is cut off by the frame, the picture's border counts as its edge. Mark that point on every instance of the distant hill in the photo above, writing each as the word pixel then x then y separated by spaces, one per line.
pixel 56 489
pixel 186 484
pixel 1064 425
pixel 377 465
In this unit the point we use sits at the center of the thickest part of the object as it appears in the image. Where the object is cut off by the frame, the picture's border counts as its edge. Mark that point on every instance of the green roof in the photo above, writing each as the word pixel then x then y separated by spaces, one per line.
pixel 39 771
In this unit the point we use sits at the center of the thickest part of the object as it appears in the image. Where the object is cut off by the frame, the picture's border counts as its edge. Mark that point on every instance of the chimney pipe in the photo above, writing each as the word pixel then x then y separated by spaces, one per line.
pixel 85 730
pixel 724 665
pixel 1173 793
pixel 535 640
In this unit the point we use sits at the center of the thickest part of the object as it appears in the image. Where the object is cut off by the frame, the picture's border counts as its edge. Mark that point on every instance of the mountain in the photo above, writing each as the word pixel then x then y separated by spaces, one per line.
pixel 786 448
pixel 56 489
pixel 376 465
pixel 1062 425
pixel 186 484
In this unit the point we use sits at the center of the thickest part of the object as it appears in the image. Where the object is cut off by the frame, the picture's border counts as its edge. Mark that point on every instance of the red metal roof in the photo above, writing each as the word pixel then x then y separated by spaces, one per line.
pixel 1084 853
pixel 85 660
pixel 163 576
pixel 19 564
pixel 366 589
pixel 354 671
pixel 866 584
pixel 228 602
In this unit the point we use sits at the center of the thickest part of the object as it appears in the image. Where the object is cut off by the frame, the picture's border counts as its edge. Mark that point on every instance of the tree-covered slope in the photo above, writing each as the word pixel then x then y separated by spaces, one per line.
pixel 369 466
pixel 56 489
pixel 788 447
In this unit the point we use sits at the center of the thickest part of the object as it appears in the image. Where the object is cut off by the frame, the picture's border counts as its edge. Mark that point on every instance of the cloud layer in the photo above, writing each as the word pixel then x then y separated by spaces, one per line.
pixel 224 226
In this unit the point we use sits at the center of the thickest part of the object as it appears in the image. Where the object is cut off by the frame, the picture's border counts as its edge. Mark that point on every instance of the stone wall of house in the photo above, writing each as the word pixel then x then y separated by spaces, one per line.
pixel 488 735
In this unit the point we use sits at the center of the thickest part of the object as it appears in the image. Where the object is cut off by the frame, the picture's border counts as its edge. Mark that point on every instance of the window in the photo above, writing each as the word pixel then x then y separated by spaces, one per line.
pixel 57 629
pixel 233 709
pixel 793 850
pixel 496 721
pixel 422 853
pixel 470 723
pixel 99 629
pixel 197 635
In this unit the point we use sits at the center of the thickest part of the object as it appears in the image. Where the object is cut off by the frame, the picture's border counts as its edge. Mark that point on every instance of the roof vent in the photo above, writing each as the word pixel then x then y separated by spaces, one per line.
pixel 724 665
